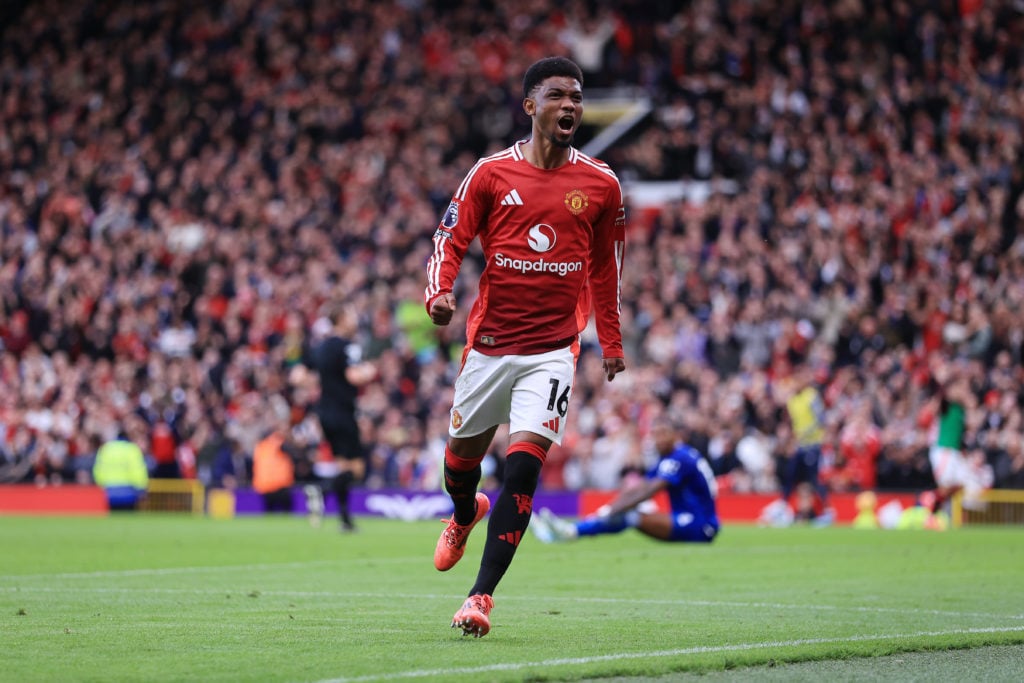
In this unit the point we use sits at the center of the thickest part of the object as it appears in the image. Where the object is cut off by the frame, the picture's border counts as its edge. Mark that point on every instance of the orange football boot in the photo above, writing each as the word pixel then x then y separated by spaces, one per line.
pixel 473 618
pixel 452 543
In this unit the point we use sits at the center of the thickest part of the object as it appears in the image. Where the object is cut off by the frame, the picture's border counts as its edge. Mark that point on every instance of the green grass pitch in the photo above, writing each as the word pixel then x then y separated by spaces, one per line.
pixel 151 597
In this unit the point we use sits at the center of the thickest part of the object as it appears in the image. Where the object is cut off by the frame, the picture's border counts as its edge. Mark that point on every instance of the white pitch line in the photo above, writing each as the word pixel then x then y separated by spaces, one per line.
pixel 166 571
pixel 516 598
pixel 701 649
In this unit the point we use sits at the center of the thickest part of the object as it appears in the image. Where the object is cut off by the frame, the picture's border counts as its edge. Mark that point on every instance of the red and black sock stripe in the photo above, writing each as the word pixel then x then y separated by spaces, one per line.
pixel 461 477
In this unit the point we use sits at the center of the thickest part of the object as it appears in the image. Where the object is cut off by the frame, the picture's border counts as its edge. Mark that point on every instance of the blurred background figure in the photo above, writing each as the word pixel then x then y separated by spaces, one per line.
pixel 802 437
pixel 120 469
pixel 338 360
pixel 924 514
pixel 953 470
pixel 273 471
pixel 867 504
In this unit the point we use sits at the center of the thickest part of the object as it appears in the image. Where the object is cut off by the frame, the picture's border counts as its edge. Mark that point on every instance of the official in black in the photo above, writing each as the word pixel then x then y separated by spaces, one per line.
pixel 338 361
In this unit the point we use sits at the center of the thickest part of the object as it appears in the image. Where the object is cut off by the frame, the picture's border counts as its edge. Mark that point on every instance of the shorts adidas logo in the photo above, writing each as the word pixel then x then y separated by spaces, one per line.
pixel 551 424
pixel 512 199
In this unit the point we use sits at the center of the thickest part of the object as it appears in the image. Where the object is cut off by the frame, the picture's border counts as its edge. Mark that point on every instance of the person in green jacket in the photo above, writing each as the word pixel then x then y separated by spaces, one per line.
pixel 952 468
pixel 120 468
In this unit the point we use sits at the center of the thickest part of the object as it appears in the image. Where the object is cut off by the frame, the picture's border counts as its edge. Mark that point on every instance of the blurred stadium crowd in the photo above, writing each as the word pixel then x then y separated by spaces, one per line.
pixel 185 185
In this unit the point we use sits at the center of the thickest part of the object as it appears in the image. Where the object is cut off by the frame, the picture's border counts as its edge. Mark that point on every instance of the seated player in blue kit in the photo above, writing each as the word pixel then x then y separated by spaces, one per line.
pixel 681 471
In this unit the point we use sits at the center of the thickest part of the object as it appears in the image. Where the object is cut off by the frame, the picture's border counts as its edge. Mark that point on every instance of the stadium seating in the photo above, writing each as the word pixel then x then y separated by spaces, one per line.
pixel 182 190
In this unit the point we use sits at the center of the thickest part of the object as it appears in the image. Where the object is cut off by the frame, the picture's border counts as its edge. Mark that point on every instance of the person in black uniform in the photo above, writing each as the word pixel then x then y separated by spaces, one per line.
pixel 338 361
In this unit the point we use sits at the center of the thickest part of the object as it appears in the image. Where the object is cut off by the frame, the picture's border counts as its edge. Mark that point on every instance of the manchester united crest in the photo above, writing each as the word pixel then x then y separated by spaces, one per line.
pixel 456 419
pixel 576 202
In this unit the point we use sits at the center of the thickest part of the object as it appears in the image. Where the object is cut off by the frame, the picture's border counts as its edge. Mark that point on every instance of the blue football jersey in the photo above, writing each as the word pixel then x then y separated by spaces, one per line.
pixel 691 483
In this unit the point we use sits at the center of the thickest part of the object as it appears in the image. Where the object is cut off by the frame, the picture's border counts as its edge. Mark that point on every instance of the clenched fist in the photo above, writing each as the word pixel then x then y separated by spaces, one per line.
pixel 442 309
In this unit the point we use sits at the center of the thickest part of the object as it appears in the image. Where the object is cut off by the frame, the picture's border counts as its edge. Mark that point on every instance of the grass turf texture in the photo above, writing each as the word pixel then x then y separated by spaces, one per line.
pixel 178 598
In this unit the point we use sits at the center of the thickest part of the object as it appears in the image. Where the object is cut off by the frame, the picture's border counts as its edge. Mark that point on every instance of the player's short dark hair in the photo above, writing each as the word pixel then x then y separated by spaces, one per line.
pixel 670 420
pixel 548 67
pixel 337 310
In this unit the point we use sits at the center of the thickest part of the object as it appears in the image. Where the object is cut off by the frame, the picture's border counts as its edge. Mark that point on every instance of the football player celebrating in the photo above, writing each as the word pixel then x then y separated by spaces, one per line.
pixel 551 223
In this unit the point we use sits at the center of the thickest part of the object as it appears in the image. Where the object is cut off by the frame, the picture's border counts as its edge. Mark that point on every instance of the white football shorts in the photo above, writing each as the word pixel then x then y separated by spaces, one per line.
pixel 948 466
pixel 529 393
pixel 951 468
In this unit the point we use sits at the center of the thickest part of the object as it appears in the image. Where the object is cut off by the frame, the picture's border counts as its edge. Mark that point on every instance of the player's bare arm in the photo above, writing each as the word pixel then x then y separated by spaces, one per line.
pixel 442 310
pixel 631 497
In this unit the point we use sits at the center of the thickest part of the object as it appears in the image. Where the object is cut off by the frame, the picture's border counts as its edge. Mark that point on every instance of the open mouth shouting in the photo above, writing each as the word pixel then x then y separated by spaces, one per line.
pixel 566 124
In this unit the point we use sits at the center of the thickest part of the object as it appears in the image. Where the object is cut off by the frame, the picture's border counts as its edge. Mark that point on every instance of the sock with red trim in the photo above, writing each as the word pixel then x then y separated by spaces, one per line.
pixel 510 515
pixel 461 477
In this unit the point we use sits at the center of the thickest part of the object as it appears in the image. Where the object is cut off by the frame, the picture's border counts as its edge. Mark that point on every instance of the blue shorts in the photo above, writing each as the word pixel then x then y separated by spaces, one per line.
pixel 123 497
pixel 690 528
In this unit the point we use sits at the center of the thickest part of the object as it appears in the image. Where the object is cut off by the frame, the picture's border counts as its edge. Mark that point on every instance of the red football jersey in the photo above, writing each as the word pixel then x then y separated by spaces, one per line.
pixel 553 240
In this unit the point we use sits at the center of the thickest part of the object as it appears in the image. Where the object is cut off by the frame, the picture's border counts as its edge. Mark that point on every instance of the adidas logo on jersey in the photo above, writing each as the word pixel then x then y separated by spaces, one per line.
pixel 551 424
pixel 512 199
